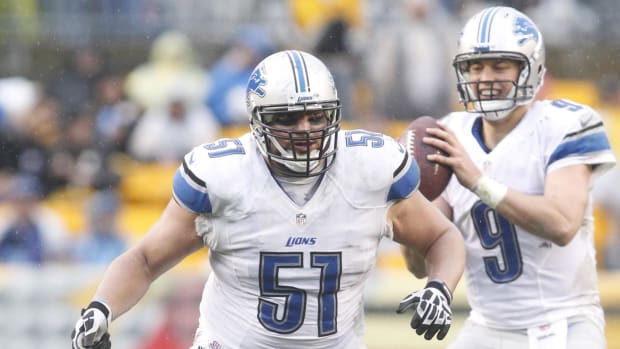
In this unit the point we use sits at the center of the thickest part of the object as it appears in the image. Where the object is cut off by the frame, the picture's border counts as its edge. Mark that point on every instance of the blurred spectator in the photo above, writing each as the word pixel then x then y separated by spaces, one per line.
pixel 116 115
pixel 18 96
pixel 74 86
pixel 166 133
pixel 102 241
pixel 59 154
pixel 333 47
pixel 407 60
pixel 332 31
pixel 609 107
pixel 521 5
pixel 180 318
pixel 606 193
pixel 30 232
pixel 171 68
pixel 78 159
pixel 28 146
pixel 230 73
pixel 313 16
pixel 565 21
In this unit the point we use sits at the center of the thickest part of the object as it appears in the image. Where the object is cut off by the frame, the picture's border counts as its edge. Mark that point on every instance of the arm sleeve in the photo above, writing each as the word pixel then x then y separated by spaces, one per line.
pixel 583 140
pixel 188 189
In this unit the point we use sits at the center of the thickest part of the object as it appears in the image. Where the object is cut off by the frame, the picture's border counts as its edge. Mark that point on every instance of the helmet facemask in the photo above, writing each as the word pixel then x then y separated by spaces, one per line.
pixel 273 126
pixel 497 107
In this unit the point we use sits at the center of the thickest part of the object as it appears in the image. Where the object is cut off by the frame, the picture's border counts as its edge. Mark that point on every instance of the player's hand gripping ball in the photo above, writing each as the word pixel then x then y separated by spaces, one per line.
pixel 434 177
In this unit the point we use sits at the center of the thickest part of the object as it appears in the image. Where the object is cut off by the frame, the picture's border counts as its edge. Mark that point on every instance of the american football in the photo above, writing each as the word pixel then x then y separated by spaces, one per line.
pixel 433 177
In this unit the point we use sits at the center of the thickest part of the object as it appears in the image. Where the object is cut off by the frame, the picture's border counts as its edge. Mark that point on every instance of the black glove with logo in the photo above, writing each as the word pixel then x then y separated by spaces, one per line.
pixel 91 330
pixel 432 309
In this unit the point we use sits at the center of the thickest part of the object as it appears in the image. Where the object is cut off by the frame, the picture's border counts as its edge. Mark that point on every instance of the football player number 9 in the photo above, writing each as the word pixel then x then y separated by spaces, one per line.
pixel 291 317
pixel 494 230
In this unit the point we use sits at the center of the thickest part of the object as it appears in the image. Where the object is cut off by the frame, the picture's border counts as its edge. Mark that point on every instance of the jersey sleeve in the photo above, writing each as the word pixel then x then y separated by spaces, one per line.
pixel 581 139
pixel 373 169
pixel 406 178
pixel 188 189
pixel 406 175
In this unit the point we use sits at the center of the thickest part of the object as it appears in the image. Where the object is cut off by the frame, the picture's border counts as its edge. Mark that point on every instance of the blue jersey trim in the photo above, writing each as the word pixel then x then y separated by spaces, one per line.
pixel 476 131
pixel 404 186
pixel 196 200
pixel 584 145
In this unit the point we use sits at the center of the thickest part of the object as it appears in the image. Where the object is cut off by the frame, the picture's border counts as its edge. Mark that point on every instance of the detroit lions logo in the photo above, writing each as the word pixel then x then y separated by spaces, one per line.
pixel 256 82
pixel 526 30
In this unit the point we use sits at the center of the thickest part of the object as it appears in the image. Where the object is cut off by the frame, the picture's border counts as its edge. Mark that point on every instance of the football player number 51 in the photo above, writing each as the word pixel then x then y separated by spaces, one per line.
pixel 290 318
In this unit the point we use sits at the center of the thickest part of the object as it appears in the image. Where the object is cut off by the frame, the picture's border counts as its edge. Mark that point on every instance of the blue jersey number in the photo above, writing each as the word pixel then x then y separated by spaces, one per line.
pixel 291 317
pixel 562 103
pixel 356 138
pixel 224 147
pixel 494 230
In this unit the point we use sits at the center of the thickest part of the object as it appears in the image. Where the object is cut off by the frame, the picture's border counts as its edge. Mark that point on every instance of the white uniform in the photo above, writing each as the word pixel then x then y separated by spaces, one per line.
pixel 517 280
pixel 284 275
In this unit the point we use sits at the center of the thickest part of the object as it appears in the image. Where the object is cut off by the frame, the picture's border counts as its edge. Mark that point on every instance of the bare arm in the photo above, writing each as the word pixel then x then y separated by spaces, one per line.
pixel 129 276
pixel 426 232
pixel 415 261
pixel 556 215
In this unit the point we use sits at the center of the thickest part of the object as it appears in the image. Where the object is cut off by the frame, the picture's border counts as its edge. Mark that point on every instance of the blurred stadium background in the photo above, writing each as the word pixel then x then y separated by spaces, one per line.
pixel 40 302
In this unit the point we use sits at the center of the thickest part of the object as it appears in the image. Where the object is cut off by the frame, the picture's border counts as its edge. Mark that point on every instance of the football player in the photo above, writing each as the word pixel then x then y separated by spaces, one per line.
pixel 292 213
pixel 521 193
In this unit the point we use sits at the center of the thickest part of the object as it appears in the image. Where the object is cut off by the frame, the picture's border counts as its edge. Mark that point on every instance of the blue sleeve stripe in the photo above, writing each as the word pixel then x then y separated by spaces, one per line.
pixel 591 143
pixel 406 184
pixel 188 196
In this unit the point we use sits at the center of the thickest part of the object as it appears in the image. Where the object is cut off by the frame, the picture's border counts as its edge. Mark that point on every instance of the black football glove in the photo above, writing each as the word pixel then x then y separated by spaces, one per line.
pixel 91 330
pixel 432 310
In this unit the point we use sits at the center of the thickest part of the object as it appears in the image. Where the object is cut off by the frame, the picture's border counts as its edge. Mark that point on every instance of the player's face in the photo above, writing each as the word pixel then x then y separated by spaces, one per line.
pixel 300 132
pixel 493 78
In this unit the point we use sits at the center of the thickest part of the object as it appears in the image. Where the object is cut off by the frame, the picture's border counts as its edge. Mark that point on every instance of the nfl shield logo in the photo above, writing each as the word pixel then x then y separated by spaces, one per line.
pixel 300 219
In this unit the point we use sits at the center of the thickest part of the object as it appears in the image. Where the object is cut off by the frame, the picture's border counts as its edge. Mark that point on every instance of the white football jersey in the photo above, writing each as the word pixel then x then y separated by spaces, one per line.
pixel 515 279
pixel 284 275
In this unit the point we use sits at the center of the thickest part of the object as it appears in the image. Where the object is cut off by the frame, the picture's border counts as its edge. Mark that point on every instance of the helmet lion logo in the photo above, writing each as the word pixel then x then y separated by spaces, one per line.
pixel 526 30
pixel 256 82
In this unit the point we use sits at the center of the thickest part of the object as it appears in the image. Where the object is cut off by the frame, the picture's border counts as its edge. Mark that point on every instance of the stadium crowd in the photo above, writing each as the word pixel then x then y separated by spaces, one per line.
pixel 82 124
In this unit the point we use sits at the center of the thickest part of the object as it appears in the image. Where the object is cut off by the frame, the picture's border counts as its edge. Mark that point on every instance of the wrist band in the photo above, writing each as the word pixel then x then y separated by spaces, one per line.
pixel 104 308
pixel 490 191
pixel 441 286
